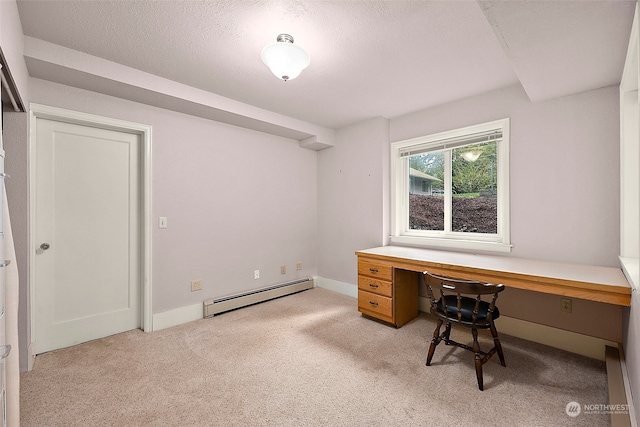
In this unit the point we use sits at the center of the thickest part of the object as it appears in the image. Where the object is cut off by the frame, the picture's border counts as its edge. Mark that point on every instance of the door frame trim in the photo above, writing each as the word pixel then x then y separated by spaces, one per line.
pixel 38 111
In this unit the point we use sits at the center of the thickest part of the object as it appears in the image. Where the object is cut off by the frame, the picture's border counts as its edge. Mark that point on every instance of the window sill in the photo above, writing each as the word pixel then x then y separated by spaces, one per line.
pixel 426 242
pixel 631 269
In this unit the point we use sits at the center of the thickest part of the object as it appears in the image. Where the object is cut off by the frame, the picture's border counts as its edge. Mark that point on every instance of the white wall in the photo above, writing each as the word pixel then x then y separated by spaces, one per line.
pixel 236 200
pixel 353 197
pixel 564 191
pixel 564 168
pixel 564 177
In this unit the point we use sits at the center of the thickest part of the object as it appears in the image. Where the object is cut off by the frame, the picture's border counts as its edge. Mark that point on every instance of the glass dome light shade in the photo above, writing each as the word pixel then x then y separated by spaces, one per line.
pixel 471 156
pixel 285 60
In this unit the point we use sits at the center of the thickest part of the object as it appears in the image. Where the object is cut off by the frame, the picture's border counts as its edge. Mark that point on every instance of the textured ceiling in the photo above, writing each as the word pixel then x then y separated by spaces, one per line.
pixel 560 48
pixel 368 58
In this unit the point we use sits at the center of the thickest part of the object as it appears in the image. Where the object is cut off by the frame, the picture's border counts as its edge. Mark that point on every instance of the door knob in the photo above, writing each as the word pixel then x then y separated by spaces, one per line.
pixel 45 246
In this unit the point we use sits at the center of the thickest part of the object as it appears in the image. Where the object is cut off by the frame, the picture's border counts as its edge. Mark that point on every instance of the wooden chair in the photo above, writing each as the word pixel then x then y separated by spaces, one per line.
pixel 460 301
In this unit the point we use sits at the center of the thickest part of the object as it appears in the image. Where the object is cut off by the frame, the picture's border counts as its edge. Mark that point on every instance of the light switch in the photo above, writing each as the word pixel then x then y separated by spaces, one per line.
pixel 162 222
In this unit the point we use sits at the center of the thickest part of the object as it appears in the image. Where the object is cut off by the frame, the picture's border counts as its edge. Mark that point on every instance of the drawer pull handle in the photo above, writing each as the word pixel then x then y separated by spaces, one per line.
pixel 373 286
pixel 375 304
pixel 373 270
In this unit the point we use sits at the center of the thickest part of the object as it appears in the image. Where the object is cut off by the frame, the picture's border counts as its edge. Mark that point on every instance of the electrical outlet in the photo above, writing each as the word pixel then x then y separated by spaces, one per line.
pixel 256 274
pixel 565 305
pixel 196 285
pixel 283 269
pixel 298 266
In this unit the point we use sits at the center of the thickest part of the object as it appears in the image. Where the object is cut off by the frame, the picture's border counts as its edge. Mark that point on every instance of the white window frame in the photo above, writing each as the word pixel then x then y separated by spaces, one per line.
pixel 401 233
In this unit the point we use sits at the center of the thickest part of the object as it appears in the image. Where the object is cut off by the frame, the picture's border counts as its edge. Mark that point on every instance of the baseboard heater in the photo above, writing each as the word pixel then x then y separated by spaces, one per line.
pixel 220 305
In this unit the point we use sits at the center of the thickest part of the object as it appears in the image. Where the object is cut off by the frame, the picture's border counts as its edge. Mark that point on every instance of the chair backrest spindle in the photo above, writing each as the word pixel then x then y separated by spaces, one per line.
pixel 461 289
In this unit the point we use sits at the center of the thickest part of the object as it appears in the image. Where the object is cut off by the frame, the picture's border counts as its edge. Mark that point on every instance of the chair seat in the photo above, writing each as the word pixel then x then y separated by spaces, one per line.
pixel 467 305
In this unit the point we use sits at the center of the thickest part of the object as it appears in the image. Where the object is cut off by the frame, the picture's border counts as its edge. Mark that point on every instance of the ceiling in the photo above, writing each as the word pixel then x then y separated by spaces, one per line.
pixel 368 58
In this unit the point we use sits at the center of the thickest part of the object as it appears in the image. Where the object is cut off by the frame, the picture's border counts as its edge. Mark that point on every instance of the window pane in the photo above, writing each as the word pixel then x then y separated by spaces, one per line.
pixel 473 180
pixel 426 195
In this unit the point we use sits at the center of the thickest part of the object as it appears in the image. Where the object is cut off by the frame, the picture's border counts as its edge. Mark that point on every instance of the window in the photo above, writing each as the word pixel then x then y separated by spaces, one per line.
pixel 452 189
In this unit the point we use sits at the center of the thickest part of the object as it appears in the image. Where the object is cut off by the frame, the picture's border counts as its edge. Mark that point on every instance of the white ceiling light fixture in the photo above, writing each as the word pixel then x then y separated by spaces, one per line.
pixel 471 156
pixel 285 60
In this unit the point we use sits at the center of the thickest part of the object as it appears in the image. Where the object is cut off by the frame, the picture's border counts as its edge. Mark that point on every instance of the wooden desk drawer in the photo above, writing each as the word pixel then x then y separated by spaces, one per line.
pixel 375 303
pixel 374 285
pixel 383 272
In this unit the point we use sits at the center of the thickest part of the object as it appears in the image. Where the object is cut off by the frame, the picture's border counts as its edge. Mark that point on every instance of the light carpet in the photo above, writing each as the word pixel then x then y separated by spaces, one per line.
pixel 308 359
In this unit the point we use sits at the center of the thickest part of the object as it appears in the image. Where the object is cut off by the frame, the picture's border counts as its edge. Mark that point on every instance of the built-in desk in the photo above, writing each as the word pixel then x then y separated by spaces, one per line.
pixel 386 291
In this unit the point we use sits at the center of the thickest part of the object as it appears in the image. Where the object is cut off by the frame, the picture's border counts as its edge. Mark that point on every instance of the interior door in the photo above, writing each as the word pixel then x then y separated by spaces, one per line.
pixel 87 233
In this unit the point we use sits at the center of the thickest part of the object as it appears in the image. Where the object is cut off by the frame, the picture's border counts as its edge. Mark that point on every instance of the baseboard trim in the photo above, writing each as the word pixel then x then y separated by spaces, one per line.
pixel 565 340
pixel 627 387
pixel 180 315
pixel 337 286
pixel 177 316
pixel 553 337
pixel 31 355
pixel 617 392
pixel 547 335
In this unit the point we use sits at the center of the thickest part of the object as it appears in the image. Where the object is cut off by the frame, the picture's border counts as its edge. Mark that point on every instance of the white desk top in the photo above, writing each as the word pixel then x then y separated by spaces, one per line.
pixel 575 272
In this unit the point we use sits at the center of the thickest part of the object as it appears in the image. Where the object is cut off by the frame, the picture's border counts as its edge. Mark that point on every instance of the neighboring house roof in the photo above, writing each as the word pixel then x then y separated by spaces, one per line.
pixel 418 174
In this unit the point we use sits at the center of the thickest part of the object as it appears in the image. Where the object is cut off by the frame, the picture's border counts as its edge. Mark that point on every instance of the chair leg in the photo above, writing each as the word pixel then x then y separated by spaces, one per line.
pixel 434 342
pixel 447 333
pixel 478 358
pixel 496 342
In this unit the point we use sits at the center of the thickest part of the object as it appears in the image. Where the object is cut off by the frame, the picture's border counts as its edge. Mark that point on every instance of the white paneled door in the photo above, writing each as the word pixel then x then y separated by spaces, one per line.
pixel 87 234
